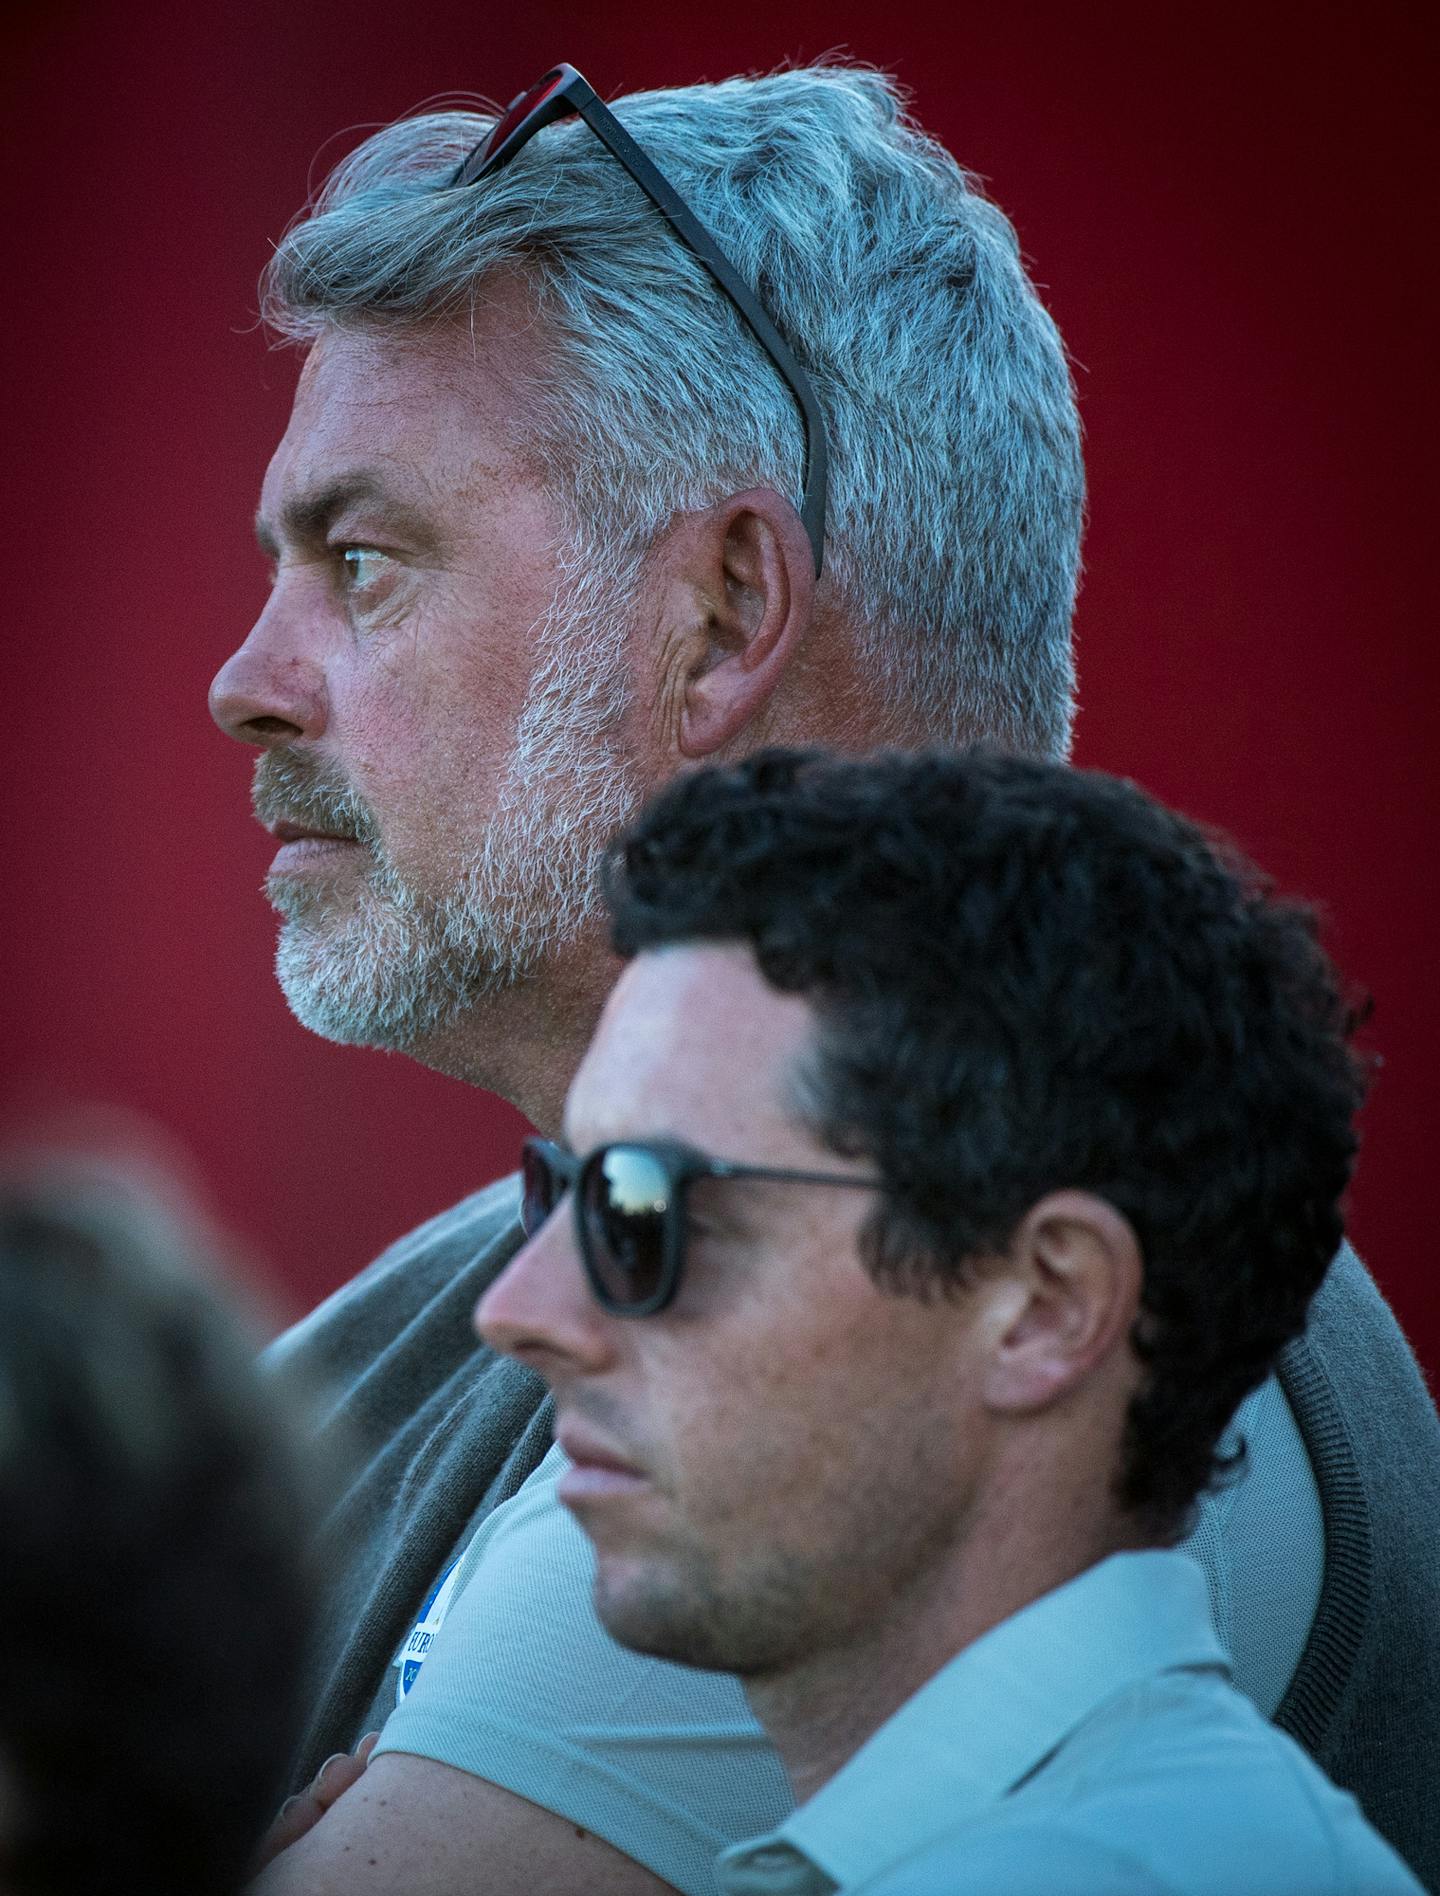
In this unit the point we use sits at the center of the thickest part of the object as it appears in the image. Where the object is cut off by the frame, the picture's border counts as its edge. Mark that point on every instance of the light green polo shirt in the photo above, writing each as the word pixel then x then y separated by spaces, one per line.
pixel 1091 1744
pixel 507 1673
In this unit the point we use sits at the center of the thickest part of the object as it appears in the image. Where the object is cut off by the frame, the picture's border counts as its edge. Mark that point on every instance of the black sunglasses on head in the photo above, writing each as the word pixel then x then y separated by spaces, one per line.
pixel 563 93
pixel 630 1211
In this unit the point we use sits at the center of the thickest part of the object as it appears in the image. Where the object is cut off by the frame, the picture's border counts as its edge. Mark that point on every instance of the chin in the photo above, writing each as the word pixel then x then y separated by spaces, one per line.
pixel 340 988
pixel 669 1617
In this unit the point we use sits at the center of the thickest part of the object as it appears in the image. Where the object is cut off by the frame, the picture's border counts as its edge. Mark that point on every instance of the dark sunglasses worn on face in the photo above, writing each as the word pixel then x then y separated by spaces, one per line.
pixel 563 93
pixel 630 1211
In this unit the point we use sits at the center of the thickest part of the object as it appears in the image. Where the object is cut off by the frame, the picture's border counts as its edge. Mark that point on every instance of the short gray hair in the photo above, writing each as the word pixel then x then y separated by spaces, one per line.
pixel 956 484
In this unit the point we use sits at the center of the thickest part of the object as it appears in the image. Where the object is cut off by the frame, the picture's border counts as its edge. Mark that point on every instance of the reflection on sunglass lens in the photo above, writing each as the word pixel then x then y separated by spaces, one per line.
pixel 625 1199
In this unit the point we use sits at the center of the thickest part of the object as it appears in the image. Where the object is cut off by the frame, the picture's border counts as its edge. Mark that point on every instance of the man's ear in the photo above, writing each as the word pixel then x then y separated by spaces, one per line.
pixel 1070 1297
pixel 747 587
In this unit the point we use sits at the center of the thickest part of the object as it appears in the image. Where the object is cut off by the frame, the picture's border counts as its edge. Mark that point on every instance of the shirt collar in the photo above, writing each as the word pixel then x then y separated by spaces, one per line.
pixel 1000 1708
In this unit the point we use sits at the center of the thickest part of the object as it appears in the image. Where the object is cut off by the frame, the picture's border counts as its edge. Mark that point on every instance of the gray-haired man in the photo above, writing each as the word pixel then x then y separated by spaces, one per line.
pixel 539 525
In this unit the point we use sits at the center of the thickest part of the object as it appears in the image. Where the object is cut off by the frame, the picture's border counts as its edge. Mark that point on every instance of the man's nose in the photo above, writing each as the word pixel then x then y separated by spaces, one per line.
pixel 271 691
pixel 540 1309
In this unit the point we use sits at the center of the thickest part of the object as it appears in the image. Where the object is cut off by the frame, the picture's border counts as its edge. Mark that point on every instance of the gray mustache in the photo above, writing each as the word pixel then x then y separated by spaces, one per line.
pixel 293 789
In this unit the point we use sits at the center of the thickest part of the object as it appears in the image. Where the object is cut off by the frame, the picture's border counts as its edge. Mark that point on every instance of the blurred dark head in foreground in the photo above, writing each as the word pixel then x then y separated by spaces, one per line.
pixel 150 1574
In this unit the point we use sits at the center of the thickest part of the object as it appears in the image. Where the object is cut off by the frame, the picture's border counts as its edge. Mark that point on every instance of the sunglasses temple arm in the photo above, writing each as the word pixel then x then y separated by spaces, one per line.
pixel 693 232
pixel 721 1168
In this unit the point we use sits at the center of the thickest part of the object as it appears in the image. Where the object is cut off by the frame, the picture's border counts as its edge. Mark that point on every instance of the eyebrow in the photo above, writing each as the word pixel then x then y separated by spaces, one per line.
pixel 307 518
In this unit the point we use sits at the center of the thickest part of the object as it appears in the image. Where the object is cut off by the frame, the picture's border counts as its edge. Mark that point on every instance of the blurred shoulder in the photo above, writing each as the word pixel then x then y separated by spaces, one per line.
pixel 444 1260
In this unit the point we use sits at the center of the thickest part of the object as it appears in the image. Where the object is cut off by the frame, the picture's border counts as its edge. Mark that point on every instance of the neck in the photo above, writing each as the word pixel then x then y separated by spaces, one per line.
pixel 526 1042
pixel 819 1710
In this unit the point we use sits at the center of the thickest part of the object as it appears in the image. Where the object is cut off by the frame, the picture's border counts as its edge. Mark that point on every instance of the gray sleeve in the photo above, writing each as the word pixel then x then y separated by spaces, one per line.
pixel 520 1685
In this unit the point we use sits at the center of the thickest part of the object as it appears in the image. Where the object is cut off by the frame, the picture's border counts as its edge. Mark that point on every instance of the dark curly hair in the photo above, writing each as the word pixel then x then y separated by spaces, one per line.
pixel 155 1508
pixel 1028 977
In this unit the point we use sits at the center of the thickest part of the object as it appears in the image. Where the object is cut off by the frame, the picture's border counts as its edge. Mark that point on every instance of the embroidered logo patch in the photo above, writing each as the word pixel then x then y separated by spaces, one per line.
pixel 422 1634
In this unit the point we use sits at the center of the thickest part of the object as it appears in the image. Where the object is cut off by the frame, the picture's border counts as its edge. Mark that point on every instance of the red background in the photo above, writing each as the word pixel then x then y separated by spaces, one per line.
pixel 1229 211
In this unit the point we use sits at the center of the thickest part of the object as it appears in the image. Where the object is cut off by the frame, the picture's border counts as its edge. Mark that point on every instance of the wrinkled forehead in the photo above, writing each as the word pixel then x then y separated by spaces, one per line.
pixel 695 1044
pixel 436 403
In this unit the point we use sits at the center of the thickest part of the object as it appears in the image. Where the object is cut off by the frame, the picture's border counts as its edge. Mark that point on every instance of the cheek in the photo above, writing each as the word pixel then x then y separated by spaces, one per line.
pixel 780 1427
pixel 757 1421
pixel 383 746
pixel 458 704
pixel 426 754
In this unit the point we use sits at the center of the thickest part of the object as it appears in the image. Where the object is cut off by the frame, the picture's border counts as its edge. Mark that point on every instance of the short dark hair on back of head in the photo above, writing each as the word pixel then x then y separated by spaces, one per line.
pixel 1028 978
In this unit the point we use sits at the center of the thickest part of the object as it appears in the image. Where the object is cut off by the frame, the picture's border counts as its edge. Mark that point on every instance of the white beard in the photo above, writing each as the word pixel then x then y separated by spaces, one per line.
pixel 401 967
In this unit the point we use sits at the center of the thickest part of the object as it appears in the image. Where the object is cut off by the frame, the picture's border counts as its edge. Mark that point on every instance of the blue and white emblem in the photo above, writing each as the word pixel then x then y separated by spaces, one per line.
pixel 422 1635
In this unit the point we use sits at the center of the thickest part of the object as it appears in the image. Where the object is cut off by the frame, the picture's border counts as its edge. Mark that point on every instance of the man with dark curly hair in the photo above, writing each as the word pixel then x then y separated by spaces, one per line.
pixel 963 1142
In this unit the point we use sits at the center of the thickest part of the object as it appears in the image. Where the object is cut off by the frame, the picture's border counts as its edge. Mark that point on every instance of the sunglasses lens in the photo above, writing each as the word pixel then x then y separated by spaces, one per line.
pixel 520 108
pixel 625 1199
pixel 494 148
pixel 541 1187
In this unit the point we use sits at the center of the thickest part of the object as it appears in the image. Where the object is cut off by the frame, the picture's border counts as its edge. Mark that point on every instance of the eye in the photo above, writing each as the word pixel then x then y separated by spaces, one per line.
pixel 365 566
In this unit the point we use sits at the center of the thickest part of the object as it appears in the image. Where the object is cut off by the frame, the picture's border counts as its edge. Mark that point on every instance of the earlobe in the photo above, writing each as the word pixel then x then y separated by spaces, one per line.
pixel 760 596
pixel 1075 1278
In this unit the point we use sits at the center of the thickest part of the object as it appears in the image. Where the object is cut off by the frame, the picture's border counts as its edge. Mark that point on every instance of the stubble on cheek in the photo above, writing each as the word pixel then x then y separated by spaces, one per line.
pixel 716 1568
pixel 788 1525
